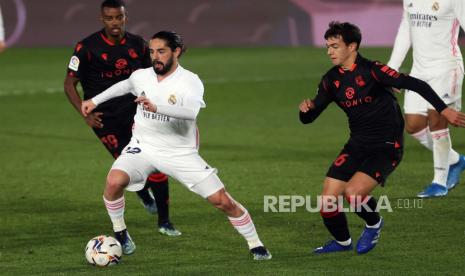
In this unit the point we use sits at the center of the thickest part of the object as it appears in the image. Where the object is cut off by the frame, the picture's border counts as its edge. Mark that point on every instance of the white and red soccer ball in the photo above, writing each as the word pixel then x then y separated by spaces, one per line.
pixel 103 250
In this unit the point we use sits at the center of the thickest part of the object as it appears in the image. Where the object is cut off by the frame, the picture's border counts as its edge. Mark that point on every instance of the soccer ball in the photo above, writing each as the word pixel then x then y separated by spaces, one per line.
pixel 103 250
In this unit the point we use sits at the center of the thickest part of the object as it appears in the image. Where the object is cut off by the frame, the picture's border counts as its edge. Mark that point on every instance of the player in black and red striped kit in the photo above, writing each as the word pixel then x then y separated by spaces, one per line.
pixel 362 89
pixel 99 61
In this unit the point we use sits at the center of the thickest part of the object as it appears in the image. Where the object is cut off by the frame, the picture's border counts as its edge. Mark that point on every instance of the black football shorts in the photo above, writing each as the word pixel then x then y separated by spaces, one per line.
pixel 377 161
pixel 115 134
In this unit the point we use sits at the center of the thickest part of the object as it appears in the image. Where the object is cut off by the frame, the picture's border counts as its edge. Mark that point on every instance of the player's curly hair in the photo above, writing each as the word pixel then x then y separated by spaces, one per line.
pixel 349 32
pixel 173 40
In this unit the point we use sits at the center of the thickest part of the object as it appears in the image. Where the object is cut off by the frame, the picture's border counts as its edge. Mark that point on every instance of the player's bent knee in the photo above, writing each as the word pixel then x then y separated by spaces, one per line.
pixel 329 205
pixel 415 123
pixel 222 201
pixel 215 199
pixel 411 130
pixel 352 191
pixel 117 180
pixel 219 199
pixel 356 199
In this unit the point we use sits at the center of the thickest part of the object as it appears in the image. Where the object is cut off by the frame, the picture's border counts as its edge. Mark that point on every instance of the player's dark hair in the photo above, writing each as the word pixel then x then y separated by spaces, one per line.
pixel 112 4
pixel 347 31
pixel 173 40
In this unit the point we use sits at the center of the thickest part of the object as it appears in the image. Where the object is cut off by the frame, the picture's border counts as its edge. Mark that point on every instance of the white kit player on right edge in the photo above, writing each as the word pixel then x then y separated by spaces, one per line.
pixel 165 138
pixel 2 33
pixel 431 27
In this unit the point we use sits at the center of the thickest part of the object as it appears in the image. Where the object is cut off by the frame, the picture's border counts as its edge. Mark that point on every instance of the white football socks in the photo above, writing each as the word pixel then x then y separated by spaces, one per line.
pixel 424 137
pixel 116 212
pixel 345 243
pixel 377 225
pixel 244 225
pixel 441 149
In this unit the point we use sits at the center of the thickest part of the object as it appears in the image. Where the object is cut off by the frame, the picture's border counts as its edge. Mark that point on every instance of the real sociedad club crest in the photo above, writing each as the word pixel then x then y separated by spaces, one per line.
pixel 121 63
pixel 350 92
pixel 172 99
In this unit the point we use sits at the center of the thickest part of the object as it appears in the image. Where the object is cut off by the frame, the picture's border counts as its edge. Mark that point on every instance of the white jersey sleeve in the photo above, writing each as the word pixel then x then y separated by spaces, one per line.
pixel 401 45
pixel 2 30
pixel 118 89
pixel 433 29
pixel 177 112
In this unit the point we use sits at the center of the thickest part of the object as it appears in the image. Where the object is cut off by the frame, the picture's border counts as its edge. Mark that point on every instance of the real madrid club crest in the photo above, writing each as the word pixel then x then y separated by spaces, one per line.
pixel 172 99
pixel 435 6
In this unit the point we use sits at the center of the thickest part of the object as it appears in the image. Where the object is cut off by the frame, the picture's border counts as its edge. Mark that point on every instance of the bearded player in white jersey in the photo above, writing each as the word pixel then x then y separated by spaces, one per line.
pixel 431 27
pixel 165 138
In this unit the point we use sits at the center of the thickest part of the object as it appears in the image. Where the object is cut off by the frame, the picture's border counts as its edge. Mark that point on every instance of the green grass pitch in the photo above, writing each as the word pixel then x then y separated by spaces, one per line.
pixel 53 170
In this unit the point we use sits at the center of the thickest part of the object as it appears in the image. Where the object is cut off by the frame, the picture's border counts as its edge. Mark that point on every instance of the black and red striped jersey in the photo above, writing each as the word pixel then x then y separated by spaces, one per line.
pixel 364 93
pixel 99 63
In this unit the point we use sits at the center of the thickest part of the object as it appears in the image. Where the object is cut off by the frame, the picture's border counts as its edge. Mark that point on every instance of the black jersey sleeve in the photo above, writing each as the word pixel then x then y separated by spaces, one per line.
pixel 322 99
pixel 78 60
pixel 390 77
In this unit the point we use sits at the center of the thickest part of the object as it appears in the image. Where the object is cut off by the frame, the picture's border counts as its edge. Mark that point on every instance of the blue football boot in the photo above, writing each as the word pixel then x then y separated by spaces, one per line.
pixel 127 244
pixel 433 190
pixel 332 246
pixel 260 253
pixel 168 229
pixel 453 178
pixel 369 238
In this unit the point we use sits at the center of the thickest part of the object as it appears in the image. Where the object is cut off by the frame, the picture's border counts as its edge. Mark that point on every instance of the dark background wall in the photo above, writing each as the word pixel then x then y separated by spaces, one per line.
pixel 203 22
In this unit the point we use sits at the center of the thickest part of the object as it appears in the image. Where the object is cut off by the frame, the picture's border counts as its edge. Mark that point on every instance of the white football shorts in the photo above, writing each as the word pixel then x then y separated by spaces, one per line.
pixel 447 85
pixel 139 160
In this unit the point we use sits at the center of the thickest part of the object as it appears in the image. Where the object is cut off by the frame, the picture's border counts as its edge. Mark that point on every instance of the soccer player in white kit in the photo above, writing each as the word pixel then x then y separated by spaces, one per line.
pixel 431 27
pixel 165 138
pixel 2 33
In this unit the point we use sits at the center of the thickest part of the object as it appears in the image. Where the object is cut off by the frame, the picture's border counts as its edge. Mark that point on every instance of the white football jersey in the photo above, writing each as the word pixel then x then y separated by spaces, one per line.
pixel 178 98
pixel 431 27
pixel 2 30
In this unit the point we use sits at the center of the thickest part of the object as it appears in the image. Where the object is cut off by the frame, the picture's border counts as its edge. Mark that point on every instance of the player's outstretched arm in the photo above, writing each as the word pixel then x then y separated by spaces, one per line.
pixel 391 78
pixel 188 111
pixel 118 89
pixel 454 117
pixel 311 109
